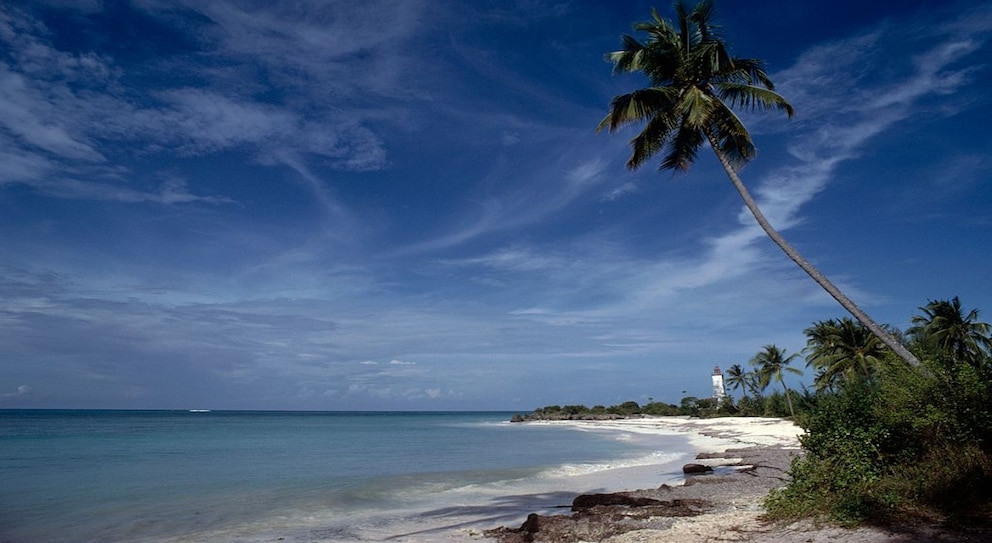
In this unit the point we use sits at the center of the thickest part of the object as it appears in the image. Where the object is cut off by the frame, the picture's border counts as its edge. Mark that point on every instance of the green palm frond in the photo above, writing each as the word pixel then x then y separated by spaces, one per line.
pixel 732 137
pixel 696 108
pixel 637 106
pixel 752 71
pixel 752 97
pixel 694 86
pixel 652 139
pixel 683 149
pixel 630 58
pixel 710 60
pixel 702 15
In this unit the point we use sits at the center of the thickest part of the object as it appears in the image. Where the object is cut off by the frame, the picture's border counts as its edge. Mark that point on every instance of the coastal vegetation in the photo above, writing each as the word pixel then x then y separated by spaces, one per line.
pixel 689 406
pixel 888 440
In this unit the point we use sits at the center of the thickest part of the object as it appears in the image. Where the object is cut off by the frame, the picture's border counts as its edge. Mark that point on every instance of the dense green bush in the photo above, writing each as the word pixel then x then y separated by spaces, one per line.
pixel 846 447
pixel 625 409
pixel 912 440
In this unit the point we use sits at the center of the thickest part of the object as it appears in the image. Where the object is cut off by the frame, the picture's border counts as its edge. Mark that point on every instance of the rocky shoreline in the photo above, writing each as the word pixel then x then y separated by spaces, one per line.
pixel 738 480
pixel 724 504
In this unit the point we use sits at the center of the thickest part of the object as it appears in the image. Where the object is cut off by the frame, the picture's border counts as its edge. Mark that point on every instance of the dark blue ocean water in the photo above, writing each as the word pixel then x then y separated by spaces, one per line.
pixel 114 476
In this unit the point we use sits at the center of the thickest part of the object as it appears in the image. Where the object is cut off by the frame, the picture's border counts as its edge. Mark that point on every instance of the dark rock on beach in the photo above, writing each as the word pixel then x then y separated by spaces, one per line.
pixel 587 501
pixel 692 469
pixel 613 516
pixel 597 517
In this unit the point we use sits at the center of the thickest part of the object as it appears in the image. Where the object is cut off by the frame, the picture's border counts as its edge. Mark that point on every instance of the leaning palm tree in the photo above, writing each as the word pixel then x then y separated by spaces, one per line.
pixel 694 85
pixel 962 337
pixel 842 349
pixel 770 362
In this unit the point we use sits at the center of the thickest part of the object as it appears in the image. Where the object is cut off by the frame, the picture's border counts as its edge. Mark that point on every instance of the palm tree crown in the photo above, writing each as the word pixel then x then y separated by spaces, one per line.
pixel 737 378
pixel 842 349
pixel 695 84
pixel 770 362
pixel 944 325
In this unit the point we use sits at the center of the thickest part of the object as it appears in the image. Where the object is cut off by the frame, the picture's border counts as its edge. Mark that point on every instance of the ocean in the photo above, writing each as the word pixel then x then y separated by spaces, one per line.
pixel 170 476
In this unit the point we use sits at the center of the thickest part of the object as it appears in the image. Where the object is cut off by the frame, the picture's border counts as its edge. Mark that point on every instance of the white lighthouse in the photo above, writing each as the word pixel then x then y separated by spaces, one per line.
pixel 719 391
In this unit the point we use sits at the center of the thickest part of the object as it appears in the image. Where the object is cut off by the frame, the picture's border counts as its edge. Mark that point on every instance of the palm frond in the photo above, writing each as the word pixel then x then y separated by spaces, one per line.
pixel 751 70
pixel 683 148
pixel 629 59
pixel 754 98
pixel 702 16
pixel 696 107
pixel 652 138
pixel 658 29
pixel 685 30
pixel 635 107
pixel 733 139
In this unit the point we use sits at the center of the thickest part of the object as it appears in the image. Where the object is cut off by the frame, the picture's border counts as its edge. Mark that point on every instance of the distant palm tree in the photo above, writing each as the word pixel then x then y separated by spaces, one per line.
pixel 842 349
pixel 945 326
pixel 737 378
pixel 770 362
pixel 694 84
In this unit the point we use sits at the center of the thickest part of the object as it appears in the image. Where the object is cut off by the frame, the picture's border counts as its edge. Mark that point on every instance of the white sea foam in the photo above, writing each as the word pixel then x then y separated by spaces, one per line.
pixel 657 458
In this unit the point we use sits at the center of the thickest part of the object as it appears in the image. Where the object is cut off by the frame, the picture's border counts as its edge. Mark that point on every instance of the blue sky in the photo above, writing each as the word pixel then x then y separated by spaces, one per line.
pixel 406 205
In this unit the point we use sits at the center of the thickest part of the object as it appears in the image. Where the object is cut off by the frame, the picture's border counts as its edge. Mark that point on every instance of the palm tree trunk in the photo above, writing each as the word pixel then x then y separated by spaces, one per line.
pixel 788 398
pixel 806 266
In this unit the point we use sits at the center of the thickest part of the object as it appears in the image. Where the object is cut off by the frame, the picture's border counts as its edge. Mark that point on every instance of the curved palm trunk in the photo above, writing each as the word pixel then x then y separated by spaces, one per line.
pixel 788 397
pixel 808 267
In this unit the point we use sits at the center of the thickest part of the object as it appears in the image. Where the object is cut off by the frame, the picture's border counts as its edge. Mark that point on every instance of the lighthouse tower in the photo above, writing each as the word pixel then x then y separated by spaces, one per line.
pixel 719 391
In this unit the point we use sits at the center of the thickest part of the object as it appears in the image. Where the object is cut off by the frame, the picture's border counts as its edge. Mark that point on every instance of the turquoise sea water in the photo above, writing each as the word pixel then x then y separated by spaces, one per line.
pixel 115 476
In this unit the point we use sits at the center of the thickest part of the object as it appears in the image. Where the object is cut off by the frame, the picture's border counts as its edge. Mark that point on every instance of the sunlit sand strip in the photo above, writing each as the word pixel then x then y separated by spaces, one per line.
pixel 716 434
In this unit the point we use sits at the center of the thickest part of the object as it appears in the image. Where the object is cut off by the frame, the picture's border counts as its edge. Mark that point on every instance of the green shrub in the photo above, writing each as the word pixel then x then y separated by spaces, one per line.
pixel 846 450
pixel 913 440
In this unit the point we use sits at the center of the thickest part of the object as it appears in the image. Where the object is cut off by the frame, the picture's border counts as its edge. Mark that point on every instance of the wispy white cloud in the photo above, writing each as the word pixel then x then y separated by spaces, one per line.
pixel 842 106
pixel 30 118
pixel 62 109
pixel 623 190
pixel 531 191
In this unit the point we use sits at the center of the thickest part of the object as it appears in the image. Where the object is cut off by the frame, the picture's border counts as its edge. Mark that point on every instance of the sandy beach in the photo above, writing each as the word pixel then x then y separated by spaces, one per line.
pixel 749 457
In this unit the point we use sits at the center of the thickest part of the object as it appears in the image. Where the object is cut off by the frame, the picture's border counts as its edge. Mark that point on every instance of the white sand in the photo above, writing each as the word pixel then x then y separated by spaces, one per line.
pixel 711 435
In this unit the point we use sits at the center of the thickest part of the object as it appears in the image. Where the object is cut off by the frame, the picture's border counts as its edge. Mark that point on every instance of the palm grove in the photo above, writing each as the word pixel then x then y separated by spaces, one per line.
pixel 896 423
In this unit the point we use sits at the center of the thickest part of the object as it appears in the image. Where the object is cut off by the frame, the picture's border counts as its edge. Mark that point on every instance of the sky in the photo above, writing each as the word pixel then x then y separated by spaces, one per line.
pixel 405 205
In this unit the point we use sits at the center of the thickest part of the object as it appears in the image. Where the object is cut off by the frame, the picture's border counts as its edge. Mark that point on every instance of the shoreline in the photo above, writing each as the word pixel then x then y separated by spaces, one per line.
pixel 750 456
pixel 475 521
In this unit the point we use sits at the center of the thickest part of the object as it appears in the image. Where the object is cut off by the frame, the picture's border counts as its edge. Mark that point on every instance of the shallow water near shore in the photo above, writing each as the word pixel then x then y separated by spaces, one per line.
pixel 168 476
